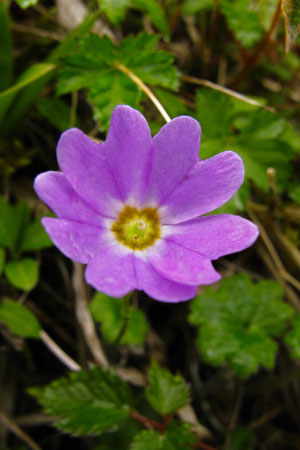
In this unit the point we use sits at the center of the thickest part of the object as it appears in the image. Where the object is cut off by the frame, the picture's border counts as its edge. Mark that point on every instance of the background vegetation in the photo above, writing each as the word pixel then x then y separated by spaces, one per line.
pixel 221 371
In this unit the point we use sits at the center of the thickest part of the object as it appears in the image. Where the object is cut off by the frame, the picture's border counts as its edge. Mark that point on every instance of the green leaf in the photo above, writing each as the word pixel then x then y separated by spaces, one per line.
pixel 193 6
pixel 7 224
pixel 259 137
pixel 6 58
pixel 31 75
pixel 236 323
pixel 2 259
pixel 153 9
pixel 115 10
pixel 292 338
pixel 291 13
pixel 94 66
pixel 87 402
pixel 23 274
pixel 120 438
pixel 295 194
pixel 177 436
pixel 26 3
pixel 243 21
pixel 210 107
pixel 35 237
pixel 19 319
pixel 166 392
pixel 56 111
pixel 108 311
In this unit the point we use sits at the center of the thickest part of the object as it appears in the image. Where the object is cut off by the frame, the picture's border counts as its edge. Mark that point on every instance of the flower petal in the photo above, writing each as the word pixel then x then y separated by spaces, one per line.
pixel 112 272
pixel 176 149
pixel 214 236
pixel 129 152
pixel 159 287
pixel 84 164
pixel 54 189
pixel 211 183
pixel 182 265
pixel 78 241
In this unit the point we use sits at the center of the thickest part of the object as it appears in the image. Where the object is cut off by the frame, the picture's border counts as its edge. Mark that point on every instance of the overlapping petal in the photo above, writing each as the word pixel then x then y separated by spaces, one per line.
pixel 214 236
pixel 84 164
pixel 79 241
pixel 54 189
pixel 210 184
pixel 129 152
pixel 176 149
pixel 112 272
pixel 182 265
pixel 159 287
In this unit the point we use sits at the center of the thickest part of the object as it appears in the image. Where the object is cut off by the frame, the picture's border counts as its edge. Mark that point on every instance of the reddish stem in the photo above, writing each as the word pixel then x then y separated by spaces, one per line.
pixel 252 60
pixel 149 423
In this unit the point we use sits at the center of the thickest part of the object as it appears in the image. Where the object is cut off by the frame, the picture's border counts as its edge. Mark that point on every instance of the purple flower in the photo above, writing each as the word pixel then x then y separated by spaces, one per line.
pixel 129 208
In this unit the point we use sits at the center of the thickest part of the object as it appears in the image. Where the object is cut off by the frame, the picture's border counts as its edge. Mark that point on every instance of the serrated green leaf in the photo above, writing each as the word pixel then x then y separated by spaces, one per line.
pixel 6 57
pixel 87 402
pixel 236 323
pixel 95 66
pixel 210 106
pixel 19 319
pixel 23 274
pixel 2 259
pixel 108 311
pixel 121 438
pixel 243 21
pixel 259 137
pixel 292 338
pixel 166 392
pixel 177 436
pixel 35 237
pixel 291 13
pixel 26 3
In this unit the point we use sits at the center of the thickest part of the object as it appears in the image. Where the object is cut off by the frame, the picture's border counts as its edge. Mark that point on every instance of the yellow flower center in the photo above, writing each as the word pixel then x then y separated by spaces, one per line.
pixel 137 229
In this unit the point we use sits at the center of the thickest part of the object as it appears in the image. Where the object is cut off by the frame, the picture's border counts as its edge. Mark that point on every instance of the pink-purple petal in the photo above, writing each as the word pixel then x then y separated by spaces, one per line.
pixel 210 184
pixel 159 287
pixel 176 149
pixel 112 272
pixel 56 192
pixel 214 236
pixel 84 164
pixel 78 241
pixel 182 265
pixel 129 152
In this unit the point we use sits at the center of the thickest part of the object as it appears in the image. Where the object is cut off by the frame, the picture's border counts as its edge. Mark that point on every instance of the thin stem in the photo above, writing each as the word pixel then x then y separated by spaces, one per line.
pixel 224 90
pixel 58 352
pixel 145 89
pixel 37 32
pixel 273 253
pixel 14 428
pixel 148 423
pixel 252 60
pixel 85 319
